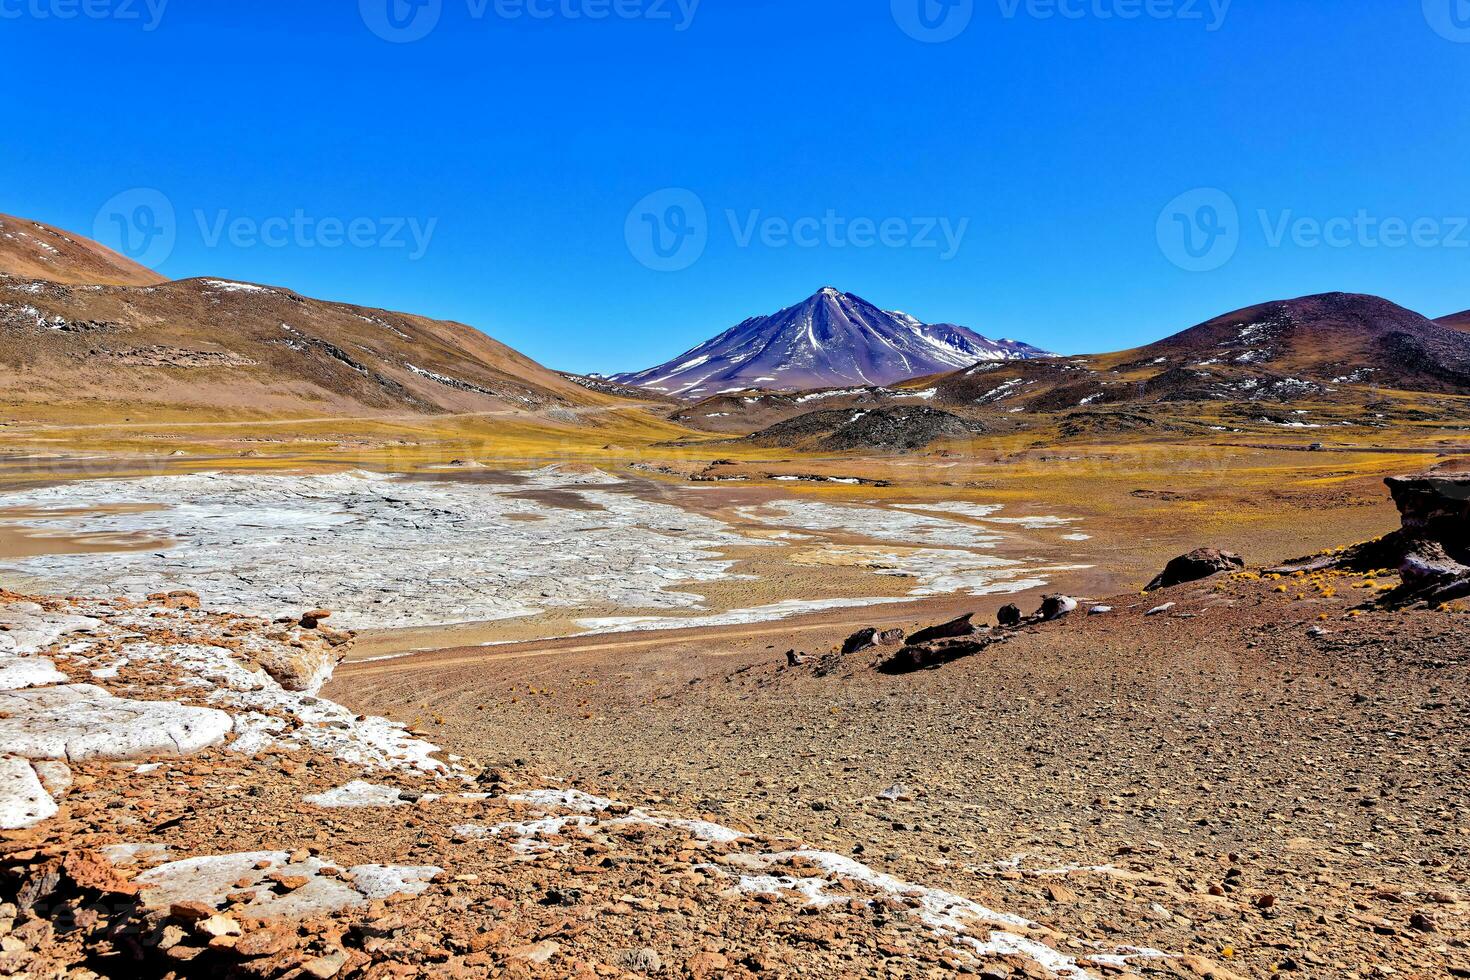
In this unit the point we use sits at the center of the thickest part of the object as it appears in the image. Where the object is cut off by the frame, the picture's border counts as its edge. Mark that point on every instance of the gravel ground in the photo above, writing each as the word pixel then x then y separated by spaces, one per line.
pixel 1255 776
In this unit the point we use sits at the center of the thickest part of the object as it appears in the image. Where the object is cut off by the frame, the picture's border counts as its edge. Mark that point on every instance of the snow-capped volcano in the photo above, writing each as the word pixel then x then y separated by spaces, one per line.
pixel 829 340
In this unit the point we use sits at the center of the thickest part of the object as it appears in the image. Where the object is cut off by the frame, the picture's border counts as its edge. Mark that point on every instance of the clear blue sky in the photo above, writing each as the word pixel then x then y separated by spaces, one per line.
pixel 528 140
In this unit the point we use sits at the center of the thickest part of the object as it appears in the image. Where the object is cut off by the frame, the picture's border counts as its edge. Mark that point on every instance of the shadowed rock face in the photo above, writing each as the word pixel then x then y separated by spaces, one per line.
pixel 1435 536
pixel 861 640
pixel 1437 506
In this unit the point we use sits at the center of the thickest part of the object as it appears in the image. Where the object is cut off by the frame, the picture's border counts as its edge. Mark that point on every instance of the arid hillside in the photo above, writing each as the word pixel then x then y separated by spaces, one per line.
pixel 31 250
pixel 1331 346
pixel 1456 321
pixel 81 326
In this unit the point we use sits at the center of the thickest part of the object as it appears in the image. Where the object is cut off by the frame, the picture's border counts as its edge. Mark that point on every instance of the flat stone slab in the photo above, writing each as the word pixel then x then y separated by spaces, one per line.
pixel 212 880
pixel 80 721
pixel 24 802
pixel 33 629
pixel 358 794
pixel 17 673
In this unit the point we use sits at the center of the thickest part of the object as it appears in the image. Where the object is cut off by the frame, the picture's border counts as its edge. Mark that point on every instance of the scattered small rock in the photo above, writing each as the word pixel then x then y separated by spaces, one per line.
pixel 539 953
pixel 326 967
pixel 644 960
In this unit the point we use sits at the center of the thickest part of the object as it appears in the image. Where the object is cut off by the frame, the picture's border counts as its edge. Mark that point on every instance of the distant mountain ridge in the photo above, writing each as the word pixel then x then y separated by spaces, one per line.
pixel 1339 349
pixel 828 340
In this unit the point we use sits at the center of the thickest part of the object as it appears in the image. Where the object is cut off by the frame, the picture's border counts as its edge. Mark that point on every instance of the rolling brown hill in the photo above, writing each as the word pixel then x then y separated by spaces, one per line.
pixel 31 250
pixel 1331 347
pixel 1456 321
pixel 80 325
pixel 1332 338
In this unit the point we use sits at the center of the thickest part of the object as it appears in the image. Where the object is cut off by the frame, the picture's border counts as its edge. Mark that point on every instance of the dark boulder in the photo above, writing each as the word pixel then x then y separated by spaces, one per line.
pixel 1195 567
pixel 1057 606
pixel 863 639
pixel 933 655
pixel 1010 616
pixel 945 631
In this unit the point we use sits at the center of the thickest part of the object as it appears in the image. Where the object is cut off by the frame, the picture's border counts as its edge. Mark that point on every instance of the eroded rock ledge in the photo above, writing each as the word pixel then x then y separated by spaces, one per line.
pixel 1431 551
